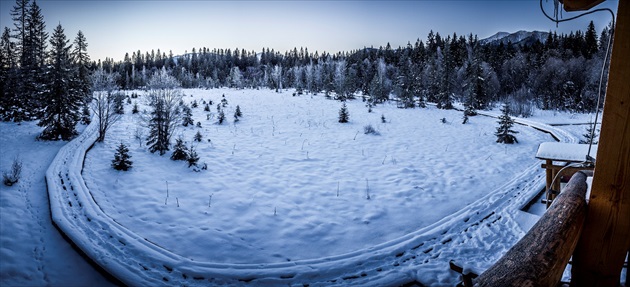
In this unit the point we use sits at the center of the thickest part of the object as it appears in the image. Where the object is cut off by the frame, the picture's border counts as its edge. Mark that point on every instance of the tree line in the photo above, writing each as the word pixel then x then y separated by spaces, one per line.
pixel 50 80
pixel 560 72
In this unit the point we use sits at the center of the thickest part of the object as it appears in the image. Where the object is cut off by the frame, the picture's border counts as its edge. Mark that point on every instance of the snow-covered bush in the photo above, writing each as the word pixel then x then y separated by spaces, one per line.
pixel 221 117
pixel 370 130
pixel 12 176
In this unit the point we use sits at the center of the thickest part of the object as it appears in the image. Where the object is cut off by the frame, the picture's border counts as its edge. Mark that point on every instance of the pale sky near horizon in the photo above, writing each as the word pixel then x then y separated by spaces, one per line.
pixel 116 27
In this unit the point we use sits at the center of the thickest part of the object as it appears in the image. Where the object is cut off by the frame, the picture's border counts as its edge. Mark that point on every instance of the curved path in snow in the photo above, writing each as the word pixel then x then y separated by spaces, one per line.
pixel 477 235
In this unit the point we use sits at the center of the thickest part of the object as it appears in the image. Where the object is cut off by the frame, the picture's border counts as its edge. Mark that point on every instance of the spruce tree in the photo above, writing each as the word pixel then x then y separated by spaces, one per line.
pixel 82 60
pixel 504 133
pixel 121 158
pixel 158 136
pixel 589 135
pixel 179 150
pixel 193 157
pixel 221 117
pixel 344 116
pixel 187 119
pixel 198 137
pixel 238 112
pixel 63 98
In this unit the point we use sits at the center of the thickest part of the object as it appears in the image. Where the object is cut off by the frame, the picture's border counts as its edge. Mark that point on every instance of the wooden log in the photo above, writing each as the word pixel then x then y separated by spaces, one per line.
pixel 540 257
pixel 600 254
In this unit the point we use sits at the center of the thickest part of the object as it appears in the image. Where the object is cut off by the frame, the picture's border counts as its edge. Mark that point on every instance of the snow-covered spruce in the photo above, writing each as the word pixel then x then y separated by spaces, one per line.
pixel 505 133
pixel 121 159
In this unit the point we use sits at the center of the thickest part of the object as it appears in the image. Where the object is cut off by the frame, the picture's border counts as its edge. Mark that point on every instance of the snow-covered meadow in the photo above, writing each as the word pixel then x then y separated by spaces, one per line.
pixel 270 195
pixel 288 182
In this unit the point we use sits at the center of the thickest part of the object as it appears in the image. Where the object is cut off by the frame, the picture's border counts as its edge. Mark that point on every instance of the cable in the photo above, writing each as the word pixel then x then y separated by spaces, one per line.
pixel 589 159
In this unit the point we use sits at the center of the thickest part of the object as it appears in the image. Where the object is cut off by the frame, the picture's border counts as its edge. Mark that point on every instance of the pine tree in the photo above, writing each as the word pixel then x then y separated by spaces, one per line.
pixel 224 102
pixel 198 137
pixel 221 117
pixel 63 99
pixel 590 41
pixel 135 108
pixel 193 157
pixel 121 158
pixel 187 119
pixel 344 116
pixel 589 135
pixel 81 59
pixel 238 112
pixel 86 117
pixel 179 150
pixel 158 137
pixel 504 133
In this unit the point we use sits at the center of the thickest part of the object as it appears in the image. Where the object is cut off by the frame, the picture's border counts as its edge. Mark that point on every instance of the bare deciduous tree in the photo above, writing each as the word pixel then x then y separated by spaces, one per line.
pixel 103 101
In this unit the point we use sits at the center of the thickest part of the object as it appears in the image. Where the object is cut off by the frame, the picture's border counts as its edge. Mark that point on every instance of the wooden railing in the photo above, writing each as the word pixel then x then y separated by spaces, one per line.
pixel 541 256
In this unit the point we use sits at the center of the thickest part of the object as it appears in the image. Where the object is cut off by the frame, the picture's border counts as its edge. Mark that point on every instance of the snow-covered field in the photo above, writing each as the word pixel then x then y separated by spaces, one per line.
pixel 288 182
pixel 438 192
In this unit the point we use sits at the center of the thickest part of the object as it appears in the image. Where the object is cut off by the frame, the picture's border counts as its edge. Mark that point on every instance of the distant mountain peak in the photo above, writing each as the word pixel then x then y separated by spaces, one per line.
pixel 522 38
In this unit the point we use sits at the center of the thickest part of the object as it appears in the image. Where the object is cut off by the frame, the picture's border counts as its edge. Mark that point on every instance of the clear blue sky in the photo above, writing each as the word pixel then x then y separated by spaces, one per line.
pixel 115 27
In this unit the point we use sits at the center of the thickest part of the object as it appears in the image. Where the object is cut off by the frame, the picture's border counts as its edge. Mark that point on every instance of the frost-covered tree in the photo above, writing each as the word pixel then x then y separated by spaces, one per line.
pixel 344 115
pixel 103 101
pixel 179 150
pixel 339 79
pixel 121 158
pixel 504 132
pixel 164 96
pixel 63 95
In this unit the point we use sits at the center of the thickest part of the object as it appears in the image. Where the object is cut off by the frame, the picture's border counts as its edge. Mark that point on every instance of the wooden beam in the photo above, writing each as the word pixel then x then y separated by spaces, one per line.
pixel 605 240
pixel 540 257
pixel 579 5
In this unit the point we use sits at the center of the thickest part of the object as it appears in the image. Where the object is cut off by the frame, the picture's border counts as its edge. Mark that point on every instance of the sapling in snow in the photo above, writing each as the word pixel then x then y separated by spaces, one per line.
pixel 13 175
pixel 344 116
pixel 504 133
pixel 121 158
pixel 179 150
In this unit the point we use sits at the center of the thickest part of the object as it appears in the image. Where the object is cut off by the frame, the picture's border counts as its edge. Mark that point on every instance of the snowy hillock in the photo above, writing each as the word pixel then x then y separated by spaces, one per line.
pixel 522 38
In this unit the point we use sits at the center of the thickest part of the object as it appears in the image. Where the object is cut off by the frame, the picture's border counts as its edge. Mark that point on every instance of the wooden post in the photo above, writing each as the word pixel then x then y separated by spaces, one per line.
pixel 549 173
pixel 605 239
pixel 540 257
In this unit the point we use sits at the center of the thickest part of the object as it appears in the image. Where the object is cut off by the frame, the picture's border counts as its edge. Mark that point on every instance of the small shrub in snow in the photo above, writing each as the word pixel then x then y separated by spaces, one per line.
pixel 193 157
pixel 238 112
pixel 198 136
pixel 12 176
pixel 135 109
pixel 504 133
pixel 199 124
pixel 383 119
pixel 344 116
pixel 179 150
pixel 221 117
pixel 235 118
pixel 370 130
pixel 194 104
pixel 224 101
pixel 187 119
pixel 465 118
pixel 589 135
pixel 121 158
pixel 206 108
